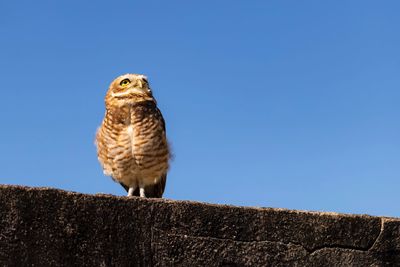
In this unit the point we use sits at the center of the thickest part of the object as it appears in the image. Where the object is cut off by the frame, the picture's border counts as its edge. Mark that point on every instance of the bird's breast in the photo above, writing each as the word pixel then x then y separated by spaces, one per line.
pixel 132 146
pixel 148 143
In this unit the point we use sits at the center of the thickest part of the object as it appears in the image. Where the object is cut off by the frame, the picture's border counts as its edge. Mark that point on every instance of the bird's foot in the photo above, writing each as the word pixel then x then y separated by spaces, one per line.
pixel 141 192
pixel 130 191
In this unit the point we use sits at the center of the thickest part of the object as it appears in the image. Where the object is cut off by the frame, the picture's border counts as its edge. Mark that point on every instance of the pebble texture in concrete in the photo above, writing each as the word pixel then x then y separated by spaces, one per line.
pixel 50 227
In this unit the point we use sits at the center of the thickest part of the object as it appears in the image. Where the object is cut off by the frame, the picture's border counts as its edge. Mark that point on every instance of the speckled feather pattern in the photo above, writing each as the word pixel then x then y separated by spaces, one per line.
pixel 131 142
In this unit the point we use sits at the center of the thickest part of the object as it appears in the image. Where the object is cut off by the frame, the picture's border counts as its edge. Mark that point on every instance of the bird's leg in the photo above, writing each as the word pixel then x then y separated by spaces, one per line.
pixel 141 192
pixel 130 191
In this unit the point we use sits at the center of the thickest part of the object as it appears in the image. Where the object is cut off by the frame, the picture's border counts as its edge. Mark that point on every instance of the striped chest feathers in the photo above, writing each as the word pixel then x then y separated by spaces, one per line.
pixel 145 137
pixel 132 141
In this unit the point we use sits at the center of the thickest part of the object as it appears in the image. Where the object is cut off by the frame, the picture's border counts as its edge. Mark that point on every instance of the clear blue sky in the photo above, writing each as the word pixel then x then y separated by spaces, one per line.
pixel 289 104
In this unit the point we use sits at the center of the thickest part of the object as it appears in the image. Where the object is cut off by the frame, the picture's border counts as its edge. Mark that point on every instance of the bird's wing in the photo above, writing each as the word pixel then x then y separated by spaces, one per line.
pixel 159 114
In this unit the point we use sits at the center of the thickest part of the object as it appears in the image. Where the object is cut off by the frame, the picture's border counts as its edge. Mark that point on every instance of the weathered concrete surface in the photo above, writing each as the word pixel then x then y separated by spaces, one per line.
pixel 49 227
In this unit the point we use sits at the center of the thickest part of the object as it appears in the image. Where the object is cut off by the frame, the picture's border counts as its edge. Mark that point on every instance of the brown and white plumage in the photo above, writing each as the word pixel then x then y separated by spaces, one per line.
pixel 131 142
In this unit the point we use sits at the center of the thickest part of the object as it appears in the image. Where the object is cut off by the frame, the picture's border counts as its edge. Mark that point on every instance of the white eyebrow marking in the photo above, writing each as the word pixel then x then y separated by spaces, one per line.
pixel 121 94
pixel 142 77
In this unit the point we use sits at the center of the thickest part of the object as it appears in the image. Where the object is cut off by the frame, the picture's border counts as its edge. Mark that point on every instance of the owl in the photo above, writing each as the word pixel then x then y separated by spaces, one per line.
pixel 131 142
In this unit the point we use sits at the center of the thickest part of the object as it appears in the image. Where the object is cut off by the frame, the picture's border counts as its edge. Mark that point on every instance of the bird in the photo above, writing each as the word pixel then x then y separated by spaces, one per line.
pixel 132 145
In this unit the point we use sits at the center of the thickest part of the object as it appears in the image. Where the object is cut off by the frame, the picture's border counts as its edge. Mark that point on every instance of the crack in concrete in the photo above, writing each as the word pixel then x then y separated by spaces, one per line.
pixel 382 220
pixel 380 233
pixel 309 251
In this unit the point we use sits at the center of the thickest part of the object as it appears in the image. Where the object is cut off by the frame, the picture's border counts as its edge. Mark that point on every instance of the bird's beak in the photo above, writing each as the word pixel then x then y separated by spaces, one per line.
pixel 139 83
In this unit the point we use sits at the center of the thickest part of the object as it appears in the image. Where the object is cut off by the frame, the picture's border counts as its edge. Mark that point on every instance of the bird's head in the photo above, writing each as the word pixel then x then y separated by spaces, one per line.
pixel 129 89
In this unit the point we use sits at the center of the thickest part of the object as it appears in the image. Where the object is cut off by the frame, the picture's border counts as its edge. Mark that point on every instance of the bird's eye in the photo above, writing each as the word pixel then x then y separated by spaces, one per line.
pixel 125 82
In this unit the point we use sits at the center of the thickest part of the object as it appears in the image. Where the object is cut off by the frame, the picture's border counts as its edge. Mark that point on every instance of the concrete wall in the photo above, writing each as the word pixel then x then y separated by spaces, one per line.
pixel 49 227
